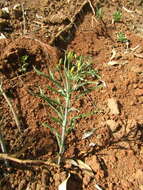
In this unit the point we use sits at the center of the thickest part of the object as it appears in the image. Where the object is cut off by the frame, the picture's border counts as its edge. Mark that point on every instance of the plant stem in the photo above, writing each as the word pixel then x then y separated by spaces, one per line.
pixel 64 124
pixel 11 108
pixel 3 148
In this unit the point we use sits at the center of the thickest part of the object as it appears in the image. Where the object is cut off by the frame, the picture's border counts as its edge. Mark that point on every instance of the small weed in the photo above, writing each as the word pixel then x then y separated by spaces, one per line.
pixel 117 16
pixel 23 63
pixel 99 13
pixel 75 73
pixel 121 37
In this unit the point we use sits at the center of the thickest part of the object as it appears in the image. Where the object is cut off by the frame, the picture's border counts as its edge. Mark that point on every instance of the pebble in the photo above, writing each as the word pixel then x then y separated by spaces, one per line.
pixel 113 105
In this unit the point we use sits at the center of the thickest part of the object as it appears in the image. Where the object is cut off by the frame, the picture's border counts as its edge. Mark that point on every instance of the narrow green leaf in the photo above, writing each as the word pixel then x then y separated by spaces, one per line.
pixel 57 120
pixel 41 73
pixel 60 92
pixel 72 109
pixel 58 138
pixel 72 124
pixel 51 74
pixel 73 120
pixel 50 100
pixel 50 77
pixel 54 131
pixel 52 103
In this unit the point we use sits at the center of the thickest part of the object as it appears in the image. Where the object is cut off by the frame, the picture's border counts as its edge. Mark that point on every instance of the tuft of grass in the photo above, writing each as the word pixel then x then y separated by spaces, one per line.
pixel 75 74
pixel 117 16
pixel 121 37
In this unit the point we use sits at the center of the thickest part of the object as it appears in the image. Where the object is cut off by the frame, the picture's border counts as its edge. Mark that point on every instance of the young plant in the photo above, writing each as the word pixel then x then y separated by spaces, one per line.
pixel 75 73
pixel 99 13
pixel 24 63
pixel 117 16
pixel 121 37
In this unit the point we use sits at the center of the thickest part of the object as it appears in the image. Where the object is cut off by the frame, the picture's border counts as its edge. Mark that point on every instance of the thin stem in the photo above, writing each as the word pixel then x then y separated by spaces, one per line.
pixel 64 124
pixel 24 20
pixel 11 108
pixel 3 148
pixel 31 162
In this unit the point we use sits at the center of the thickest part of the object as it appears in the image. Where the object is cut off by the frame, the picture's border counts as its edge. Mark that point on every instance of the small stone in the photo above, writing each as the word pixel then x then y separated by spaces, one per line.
pixel 113 105
pixel 112 124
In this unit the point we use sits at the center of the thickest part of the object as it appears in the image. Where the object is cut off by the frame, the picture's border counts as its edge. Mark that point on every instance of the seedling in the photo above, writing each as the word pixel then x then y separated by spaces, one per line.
pixel 75 73
pixel 24 63
pixel 99 13
pixel 121 37
pixel 117 16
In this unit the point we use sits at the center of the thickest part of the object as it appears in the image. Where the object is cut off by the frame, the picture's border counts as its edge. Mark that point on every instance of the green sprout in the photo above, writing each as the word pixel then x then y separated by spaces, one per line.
pixel 121 37
pixel 24 63
pixel 99 13
pixel 117 16
pixel 75 74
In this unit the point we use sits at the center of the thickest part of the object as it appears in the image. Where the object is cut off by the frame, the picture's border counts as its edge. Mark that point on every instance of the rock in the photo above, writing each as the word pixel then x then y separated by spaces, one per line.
pixel 112 124
pixel 113 105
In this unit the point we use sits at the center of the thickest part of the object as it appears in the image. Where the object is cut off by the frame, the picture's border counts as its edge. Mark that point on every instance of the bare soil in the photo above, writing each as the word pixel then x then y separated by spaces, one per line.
pixel 43 30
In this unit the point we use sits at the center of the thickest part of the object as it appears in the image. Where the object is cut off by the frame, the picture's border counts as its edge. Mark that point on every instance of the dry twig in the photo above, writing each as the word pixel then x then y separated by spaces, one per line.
pixel 24 20
pixel 11 108
pixel 32 162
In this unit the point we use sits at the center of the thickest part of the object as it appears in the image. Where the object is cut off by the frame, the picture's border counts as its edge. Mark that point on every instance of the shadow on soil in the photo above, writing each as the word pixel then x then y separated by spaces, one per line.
pixel 74 183
pixel 132 138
